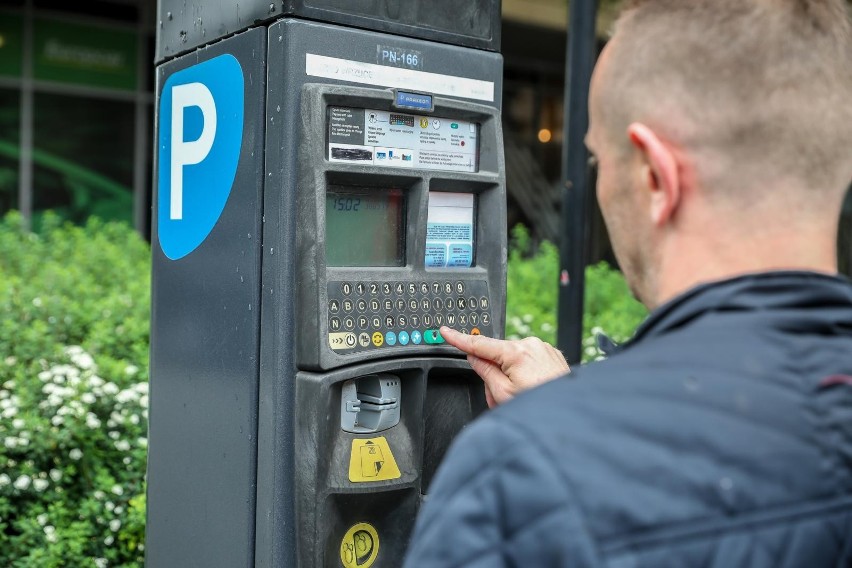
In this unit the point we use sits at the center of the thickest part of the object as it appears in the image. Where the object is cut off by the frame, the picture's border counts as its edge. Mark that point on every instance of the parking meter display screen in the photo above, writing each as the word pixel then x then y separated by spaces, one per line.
pixel 401 140
pixel 364 227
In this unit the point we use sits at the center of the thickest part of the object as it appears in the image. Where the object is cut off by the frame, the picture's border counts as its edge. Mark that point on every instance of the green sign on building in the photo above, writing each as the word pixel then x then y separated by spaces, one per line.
pixel 94 56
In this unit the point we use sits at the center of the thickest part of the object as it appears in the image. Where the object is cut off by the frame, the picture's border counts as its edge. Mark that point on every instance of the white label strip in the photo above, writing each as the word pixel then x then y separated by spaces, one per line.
pixel 381 75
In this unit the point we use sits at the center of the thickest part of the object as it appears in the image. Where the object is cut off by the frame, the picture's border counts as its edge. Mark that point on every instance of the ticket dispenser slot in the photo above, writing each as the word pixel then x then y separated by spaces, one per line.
pixel 370 404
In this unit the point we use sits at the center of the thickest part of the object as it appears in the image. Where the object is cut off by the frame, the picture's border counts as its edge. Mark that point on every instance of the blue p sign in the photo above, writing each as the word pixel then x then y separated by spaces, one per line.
pixel 201 130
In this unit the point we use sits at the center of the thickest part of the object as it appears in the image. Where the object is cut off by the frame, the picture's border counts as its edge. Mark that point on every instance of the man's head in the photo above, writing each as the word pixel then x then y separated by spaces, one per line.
pixel 713 119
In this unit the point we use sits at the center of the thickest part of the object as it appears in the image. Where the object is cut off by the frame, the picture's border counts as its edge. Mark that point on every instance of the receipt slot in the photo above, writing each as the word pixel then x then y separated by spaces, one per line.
pixel 329 192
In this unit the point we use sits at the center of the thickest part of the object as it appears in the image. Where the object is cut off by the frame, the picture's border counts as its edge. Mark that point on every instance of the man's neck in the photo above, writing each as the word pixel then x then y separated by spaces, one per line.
pixel 688 261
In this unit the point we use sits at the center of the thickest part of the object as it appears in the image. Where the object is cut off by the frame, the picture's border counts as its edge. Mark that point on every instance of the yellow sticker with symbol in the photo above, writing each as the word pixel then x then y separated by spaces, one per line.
pixel 424 123
pixel 372 460
pixel 360 546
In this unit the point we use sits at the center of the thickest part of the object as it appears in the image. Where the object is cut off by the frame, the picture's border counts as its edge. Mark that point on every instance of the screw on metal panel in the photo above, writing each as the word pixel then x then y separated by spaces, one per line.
pixel 271 8
pixel 169 15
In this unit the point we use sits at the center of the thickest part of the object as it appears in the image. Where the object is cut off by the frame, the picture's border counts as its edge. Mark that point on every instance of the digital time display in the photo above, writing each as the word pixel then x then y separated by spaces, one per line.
pixel 364 227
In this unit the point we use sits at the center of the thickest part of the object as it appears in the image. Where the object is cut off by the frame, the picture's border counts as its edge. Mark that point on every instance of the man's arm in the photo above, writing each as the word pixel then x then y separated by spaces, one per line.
pixel 508 367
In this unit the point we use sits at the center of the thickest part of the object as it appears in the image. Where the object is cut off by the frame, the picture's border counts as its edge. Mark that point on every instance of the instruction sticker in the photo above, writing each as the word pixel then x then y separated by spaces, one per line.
pixel 449 230
pixel 360 546
pixel 372 460
pixel 399 140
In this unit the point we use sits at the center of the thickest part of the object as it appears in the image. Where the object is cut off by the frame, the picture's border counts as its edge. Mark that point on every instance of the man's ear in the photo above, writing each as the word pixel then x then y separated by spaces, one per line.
pixel 660 172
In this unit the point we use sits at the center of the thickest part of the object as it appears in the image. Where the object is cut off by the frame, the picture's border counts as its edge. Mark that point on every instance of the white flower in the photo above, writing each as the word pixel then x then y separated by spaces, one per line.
pixel 57 420
pixel 143 402
pixel 11 442
pixel 75 454
pixel 5 403
pixel 126 460
pixel 122 446
pixel 10 412
pixel 96 381
pixel 37 302
pixel 92 421
pixel 10 384
pixel 4 480
pixel 141 388
pixel 109 505
pixel 40 484
pixel 114 525
pixel 134 419
pixel 114 434
pixel 88 398
pixel 42 519
pixel 126 396
pixel 108 541
pixel 45 376
pixel 83 360
pixel 110 388
pixel 23 482
pixel 18 423
pixel 117 490
pixel 99 495
pixel 55 475
pixel 102 562
pixel 142 442
pixel 11 360
pixel 72 350
pixel 50 533
pixel 119 510
pixel 131 370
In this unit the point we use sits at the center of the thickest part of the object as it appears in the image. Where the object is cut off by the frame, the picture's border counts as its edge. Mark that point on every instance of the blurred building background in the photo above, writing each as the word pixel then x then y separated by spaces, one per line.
pixel 76 110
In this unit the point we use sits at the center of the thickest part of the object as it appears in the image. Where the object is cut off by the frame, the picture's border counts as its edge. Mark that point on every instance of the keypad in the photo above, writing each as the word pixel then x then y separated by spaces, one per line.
pixel 365 316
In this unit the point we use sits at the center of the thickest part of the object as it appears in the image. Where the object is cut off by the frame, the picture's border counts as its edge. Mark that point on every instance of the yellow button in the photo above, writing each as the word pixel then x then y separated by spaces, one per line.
pixel 378 339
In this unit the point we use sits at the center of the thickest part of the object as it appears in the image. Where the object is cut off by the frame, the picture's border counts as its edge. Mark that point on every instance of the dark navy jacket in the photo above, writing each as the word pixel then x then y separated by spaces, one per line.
pixel 720 436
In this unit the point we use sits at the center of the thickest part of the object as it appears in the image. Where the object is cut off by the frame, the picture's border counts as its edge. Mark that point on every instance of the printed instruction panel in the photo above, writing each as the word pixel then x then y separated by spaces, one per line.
pixel 449 230
pixel 399 140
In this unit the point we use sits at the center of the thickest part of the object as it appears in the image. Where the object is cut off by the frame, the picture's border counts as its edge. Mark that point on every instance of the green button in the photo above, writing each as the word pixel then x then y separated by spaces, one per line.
pixel 432 336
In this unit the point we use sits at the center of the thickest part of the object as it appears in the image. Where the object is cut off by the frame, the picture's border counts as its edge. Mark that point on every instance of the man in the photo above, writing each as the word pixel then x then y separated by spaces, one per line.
pixel 721 434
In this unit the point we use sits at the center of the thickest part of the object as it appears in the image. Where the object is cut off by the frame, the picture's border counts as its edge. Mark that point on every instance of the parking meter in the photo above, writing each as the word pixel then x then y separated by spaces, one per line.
pixel 330 191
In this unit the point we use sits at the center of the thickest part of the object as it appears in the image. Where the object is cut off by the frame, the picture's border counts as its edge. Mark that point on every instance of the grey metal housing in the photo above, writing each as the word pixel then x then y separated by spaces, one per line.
pixel 184 25
pixel 247 457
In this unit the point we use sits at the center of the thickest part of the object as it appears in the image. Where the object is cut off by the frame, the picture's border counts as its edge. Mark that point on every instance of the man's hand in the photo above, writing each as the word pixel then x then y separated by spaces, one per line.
pixel 508 367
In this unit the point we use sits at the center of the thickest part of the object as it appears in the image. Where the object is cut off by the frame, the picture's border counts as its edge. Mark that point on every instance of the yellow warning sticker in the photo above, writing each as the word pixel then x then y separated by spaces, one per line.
pixel 372 460
pixel 360 546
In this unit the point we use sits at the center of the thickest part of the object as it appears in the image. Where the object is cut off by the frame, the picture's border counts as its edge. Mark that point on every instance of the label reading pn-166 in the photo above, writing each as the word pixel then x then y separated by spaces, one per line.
pixel 399 57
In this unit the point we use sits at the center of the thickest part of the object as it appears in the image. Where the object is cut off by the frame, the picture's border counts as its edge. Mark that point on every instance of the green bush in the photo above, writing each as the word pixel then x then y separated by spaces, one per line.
pixel 532 289
pixel 74 313
pixel 74 318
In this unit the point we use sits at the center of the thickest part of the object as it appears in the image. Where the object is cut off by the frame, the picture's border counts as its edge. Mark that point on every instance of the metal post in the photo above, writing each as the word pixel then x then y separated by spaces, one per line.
pixel 575 172
pixel 25 166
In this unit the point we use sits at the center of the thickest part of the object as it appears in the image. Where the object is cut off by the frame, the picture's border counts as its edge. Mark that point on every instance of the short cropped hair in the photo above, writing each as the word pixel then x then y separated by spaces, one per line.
pixel 758 89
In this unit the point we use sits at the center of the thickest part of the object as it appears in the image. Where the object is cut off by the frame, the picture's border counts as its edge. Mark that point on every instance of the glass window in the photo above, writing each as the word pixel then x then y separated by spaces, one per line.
pixel 10 128
pixel 82 158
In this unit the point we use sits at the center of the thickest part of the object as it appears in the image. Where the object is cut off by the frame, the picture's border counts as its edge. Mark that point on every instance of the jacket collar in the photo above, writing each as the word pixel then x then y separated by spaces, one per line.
pixel 781 292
